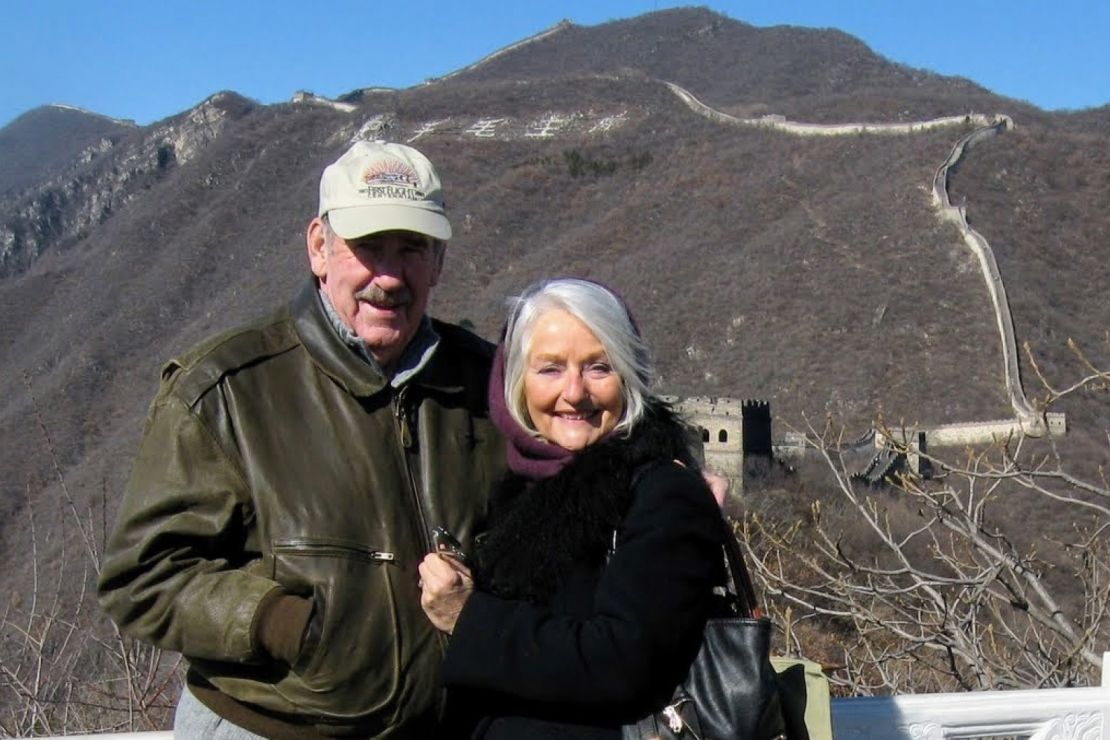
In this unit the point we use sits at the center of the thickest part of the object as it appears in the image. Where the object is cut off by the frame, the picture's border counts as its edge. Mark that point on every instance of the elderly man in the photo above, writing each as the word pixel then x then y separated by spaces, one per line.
pixel 291 472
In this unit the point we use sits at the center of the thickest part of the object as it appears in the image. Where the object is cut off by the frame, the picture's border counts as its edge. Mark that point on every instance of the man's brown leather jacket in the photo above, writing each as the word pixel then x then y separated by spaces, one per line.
pixel 281 499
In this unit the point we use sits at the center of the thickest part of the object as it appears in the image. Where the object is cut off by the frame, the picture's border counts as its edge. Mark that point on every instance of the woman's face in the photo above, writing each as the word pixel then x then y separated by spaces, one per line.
pixel 572 393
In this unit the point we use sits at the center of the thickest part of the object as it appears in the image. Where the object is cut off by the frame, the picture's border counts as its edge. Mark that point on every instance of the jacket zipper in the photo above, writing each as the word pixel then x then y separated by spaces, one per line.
pixel 404 430
pixel 402 416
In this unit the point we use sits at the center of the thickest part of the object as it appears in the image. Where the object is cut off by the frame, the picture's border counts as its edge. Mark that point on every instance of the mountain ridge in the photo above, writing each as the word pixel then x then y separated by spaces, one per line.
pixel 810 272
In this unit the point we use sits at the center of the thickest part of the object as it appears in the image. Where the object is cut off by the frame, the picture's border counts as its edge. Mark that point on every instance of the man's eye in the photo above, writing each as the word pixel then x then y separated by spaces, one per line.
pixel 367 250
pixel 415 244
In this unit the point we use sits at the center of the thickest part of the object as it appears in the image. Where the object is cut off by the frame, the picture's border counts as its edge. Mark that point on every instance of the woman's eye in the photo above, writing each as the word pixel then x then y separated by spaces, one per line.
pixel 549 370
pixel 600 369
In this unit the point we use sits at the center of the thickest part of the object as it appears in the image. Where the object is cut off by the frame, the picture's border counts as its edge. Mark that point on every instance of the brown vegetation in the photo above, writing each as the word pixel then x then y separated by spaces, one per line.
pixel 812 273
pixel 63 669
pixel 946 583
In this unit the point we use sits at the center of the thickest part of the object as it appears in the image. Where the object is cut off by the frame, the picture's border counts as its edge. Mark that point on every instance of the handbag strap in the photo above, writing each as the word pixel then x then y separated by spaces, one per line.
pixel 741 579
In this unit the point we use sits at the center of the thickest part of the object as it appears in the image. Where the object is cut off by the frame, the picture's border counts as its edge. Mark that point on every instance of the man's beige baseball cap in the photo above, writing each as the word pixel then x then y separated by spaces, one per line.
pixel 377 186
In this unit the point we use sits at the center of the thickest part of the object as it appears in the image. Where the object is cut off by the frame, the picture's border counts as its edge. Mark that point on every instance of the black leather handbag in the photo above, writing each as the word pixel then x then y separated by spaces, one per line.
pixel 731 690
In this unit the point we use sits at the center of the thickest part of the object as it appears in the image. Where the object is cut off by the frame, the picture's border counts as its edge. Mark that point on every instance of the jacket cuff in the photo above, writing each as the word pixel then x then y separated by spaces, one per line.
pixel 281 624
pixel 475 641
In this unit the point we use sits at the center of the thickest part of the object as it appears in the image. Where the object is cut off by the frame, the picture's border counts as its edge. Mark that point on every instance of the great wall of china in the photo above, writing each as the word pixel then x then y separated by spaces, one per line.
pixel 1027 420
pixel 727 425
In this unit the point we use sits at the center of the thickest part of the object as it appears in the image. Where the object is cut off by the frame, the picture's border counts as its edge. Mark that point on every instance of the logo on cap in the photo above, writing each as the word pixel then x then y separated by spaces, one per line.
pixel 391 179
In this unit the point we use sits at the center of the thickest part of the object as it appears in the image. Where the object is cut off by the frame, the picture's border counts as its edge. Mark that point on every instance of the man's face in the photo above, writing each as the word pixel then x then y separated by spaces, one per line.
pixel 379 284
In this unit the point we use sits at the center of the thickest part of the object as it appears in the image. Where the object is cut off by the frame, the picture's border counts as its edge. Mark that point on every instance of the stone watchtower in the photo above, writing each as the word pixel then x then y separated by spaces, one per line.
pixel 734 433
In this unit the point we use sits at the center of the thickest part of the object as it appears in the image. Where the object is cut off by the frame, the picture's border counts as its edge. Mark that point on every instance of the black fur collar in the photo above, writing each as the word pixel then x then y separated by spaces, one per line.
pixel 540 532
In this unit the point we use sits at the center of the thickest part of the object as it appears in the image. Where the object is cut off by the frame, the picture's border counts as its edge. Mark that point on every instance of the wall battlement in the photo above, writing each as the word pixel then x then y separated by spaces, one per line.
pixel 734 433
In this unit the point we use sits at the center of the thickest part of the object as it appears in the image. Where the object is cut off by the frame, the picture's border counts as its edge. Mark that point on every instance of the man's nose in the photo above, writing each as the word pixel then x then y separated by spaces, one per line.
pixel 386 264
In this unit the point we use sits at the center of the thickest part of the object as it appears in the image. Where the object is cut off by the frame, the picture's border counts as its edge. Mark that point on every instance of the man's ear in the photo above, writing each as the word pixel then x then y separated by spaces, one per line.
pixel 316 239
pixel 440 249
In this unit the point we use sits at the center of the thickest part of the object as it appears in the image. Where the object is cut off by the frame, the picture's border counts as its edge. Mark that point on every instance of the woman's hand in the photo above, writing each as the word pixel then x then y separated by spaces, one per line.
pixel 445 585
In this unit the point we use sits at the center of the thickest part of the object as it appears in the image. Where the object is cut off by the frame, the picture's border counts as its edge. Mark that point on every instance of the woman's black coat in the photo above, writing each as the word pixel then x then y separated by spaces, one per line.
pixel 567 636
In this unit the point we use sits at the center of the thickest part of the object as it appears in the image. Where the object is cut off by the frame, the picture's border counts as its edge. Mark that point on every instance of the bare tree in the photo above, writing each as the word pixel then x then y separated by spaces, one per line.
pixel 64 667
pixel 947 582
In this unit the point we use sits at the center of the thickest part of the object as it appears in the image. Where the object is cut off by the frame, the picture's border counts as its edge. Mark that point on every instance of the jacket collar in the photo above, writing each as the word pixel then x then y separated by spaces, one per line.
pixel 440 373
pixel 412 359
pixel 344 364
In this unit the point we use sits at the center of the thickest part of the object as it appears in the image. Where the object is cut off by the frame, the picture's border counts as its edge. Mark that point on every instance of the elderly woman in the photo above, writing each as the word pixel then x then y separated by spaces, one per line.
pixel 594 581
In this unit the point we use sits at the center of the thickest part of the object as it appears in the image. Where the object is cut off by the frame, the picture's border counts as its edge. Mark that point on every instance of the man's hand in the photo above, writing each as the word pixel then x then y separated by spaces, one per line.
pixel 445 585
pixel 718 484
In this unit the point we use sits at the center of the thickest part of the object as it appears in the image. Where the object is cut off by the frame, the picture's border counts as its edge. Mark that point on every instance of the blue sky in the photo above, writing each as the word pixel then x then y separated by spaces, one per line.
pixel 148 59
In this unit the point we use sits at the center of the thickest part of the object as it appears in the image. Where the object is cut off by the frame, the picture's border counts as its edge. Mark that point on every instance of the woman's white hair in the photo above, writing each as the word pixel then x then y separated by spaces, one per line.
pixel 605 315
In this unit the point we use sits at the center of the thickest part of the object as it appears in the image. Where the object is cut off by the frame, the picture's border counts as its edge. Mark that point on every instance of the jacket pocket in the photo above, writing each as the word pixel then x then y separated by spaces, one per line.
pixel 350 662
pixel 324 547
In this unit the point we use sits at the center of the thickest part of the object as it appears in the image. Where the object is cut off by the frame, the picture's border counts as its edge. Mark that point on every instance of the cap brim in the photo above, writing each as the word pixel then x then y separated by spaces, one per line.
pixel 356 221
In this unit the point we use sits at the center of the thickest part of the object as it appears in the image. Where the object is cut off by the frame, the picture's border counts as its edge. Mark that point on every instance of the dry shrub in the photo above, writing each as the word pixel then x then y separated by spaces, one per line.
pixel 993 573
pixel 64 668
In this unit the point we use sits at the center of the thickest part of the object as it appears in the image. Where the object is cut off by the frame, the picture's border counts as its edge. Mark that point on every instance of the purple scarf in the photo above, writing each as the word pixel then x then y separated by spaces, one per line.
pixel 528 456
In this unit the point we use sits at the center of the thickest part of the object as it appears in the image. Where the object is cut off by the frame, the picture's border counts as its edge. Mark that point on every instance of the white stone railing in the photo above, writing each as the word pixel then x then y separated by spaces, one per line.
pixel 167 735
pixel 1043 714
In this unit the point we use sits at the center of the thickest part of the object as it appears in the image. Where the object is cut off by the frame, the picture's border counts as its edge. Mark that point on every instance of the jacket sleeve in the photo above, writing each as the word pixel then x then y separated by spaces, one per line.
pixel 177 570
pixel 649 612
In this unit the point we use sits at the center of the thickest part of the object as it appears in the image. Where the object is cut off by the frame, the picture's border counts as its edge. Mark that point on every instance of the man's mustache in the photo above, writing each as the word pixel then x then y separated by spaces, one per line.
pixel 379 296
